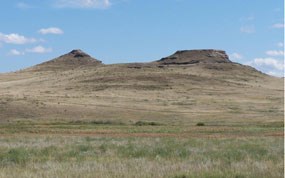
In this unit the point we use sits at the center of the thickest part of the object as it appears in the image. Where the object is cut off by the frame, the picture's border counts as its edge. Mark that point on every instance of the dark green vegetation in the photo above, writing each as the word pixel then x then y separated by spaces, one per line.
pixel 200 124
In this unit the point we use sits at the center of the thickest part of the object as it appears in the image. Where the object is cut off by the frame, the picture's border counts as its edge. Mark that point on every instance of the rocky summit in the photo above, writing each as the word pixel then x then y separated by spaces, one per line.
pixel 78 53
pixel 196 56
pixel 73 59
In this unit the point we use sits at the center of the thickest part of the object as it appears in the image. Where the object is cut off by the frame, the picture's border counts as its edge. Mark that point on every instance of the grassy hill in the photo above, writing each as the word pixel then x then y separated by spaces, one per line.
pixel 82 88
pixel 192 114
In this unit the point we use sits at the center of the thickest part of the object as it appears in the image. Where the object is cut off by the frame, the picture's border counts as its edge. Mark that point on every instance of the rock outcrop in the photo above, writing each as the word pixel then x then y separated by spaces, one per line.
pixel 196 56
pixel 75 58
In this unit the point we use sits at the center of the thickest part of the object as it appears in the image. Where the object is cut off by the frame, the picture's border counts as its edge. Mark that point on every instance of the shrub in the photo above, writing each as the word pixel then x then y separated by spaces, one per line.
pixel 141 123
pixel 107 122
pixel 200 124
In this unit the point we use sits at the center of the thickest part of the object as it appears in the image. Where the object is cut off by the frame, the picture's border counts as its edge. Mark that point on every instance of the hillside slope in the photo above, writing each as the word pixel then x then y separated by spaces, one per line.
pixel 187 87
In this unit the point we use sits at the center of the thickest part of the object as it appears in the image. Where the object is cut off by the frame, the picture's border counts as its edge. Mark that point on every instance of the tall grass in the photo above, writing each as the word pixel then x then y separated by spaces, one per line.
pixel 81 156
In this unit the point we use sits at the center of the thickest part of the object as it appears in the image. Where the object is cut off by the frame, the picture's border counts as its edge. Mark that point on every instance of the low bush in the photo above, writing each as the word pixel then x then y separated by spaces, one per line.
pixel 141 123
pixel 200 124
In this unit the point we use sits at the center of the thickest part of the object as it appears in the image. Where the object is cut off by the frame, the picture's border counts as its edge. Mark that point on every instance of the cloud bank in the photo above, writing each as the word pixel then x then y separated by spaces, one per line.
pixel 269 65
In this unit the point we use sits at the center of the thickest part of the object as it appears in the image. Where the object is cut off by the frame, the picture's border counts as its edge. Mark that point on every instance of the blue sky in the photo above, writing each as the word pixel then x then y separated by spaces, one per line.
pixel 120 31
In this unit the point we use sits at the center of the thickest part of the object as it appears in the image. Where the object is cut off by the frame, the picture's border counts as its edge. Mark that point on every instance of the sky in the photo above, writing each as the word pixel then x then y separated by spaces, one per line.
pixel 122 31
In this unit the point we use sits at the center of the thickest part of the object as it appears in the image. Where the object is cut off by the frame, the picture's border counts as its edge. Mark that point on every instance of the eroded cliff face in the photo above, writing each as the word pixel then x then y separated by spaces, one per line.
pixel 196 56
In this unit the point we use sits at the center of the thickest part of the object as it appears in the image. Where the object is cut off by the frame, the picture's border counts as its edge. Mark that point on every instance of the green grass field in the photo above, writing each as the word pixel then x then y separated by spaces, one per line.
pixel 143 149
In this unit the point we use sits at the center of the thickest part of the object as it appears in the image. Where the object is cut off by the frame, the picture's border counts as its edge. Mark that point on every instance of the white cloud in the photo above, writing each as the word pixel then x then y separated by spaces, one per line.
pixel 269 62
pixel 278 25
pixel 280 44
pixel 275 53
pixel 247 29
pixel 83 3
pixel 269 66
pixel 236 56
pixel 15 38
pixel 275 73
pixel 39 49
pixel 14 52
pixel 51 30
pixel 22 5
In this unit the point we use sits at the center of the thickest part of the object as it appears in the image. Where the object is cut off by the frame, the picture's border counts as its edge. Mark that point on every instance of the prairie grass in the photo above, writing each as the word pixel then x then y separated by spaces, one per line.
pixel 174 152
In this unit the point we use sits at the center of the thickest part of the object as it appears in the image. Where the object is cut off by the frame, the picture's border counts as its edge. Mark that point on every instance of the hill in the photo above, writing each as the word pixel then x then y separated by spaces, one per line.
pixel 73 59
pixel 196 56
pixel 186 87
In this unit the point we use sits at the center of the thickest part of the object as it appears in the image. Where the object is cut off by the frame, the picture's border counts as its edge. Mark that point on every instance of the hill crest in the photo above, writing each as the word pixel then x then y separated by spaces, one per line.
pixel 196 56
pixel 73 59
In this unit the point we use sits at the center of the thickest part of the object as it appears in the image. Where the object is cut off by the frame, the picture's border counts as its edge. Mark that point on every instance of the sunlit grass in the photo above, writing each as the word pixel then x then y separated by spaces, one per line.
pixel 182 152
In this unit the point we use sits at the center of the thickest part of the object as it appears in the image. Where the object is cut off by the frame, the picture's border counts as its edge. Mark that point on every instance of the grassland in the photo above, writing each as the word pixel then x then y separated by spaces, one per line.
pixel 108 149
pixel 141 120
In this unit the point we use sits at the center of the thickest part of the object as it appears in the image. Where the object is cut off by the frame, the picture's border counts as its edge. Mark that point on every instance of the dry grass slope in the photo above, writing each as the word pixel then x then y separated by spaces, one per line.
pixel 193 114
pixel 187 93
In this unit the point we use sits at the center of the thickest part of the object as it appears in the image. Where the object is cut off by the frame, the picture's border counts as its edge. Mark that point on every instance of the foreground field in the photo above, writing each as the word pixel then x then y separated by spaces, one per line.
pixel 142 149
